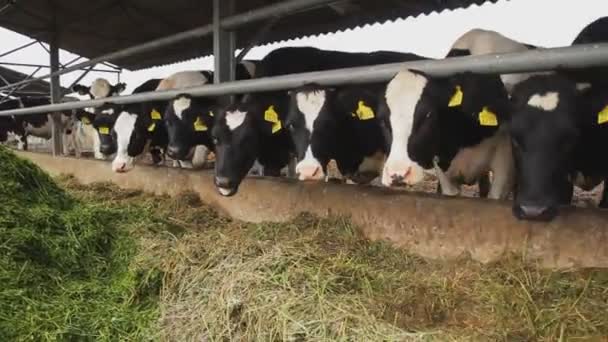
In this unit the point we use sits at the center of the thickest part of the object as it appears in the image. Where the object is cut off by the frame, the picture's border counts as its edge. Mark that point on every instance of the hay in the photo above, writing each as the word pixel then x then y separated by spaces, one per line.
pixel 317 279
pixel 179 271
pixel 64 265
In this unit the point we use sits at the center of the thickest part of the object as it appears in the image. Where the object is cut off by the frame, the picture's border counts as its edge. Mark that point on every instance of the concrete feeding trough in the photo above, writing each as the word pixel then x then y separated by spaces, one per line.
pixel 424 224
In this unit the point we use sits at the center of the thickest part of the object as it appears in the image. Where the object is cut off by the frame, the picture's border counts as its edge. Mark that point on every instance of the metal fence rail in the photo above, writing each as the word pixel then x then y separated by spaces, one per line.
pixel 578 56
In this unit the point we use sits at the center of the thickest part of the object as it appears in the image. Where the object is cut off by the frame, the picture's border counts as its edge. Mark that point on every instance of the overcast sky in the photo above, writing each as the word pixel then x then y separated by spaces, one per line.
pixel 547 23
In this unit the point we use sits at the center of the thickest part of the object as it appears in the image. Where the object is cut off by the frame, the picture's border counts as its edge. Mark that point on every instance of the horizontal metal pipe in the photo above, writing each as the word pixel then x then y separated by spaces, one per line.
pixel 579 56
pixel 27 65
pixel 229 23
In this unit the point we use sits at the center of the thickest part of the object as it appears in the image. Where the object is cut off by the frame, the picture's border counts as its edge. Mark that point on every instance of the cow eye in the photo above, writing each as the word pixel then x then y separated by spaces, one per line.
pixel 428 114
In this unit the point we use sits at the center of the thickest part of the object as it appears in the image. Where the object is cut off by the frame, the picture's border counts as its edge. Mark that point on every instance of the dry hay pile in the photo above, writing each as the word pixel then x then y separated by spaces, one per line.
pixel 204 277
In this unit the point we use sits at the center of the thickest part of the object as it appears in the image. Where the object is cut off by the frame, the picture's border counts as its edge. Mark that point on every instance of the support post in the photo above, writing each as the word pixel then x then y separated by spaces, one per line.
pixel 56 138
pixel 224 43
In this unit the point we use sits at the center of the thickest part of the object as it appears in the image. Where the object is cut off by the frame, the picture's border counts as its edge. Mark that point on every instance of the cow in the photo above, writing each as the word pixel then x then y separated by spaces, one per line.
pixel 558 125
pixel 481 42
pixel 39 125
pixel 135 128
pixel 248 131
pixel 282 61
pixel 328 123
pixel 8 126
pixel 557 133
pixel 188 139
pixel 455 127
pixel 339 123
pixel 101 89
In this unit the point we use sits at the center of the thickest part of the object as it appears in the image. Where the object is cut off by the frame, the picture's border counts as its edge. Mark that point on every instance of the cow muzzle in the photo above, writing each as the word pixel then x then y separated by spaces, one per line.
pixel 310 171
pixel 401 174
pixel 535 212
pixel 225 186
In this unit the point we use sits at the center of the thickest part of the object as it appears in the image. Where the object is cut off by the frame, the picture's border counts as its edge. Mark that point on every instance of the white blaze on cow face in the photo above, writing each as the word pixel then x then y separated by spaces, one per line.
pixel 100 88
pixel 180 105
pixel 547 102
pixel 124 127
pixel 402 95
pixel 310 105
pixel 235 119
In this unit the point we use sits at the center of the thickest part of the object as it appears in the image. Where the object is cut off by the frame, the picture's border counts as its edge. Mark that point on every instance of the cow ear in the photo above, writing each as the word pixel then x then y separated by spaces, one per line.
pixel 80 89
pixel 120 87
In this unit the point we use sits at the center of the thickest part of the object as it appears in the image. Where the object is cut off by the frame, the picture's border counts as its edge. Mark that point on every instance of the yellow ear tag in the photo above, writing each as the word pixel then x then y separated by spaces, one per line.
pixel 456 99
pixel 211 113
pixel 199 125
pixel 364 112
pixel 155 115
pixel 487 118
pixel 271 115
pixel 85 120
pixel 602 117
pixel 152 127
pixel 104 130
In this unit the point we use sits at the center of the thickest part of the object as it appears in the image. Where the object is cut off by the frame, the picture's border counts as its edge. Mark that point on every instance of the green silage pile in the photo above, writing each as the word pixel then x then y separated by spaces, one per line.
pixel 65 266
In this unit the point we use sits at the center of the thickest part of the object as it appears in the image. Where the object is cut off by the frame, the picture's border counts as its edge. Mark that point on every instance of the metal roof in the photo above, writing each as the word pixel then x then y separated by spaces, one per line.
pixel 8 76
pixel 94 28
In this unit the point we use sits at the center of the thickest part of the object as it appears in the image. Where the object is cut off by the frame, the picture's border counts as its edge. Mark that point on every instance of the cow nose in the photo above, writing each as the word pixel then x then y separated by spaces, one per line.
pixel 222 182
pixel 535 212
pixel 173 151
pixel 122 167
pixel 311 172
pixel 399 178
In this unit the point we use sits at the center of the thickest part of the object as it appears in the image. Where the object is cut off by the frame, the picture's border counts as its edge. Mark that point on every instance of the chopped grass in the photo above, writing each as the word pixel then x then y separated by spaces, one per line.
pixel 65 264
pixel 176 270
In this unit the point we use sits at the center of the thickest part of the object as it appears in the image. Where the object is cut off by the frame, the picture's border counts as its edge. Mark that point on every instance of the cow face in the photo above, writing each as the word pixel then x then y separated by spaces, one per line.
pixel 428 120
pixel 245 132
pixel 236 135
pixel 189 122
pixel 545 129
pixel 134 127
pixel 311 122
pixel 100 88
pixel 103 122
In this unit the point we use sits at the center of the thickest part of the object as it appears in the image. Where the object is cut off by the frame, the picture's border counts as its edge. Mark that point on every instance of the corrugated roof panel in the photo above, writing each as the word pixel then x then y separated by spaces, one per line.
pixel 111 25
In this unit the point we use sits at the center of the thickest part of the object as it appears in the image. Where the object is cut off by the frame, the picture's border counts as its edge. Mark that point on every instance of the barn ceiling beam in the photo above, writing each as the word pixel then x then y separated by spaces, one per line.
pixel 230 23
pixel 578 56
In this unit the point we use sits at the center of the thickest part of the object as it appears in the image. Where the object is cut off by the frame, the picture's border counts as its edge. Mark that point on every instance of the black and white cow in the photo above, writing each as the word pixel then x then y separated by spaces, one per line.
pixel 8 126
pixel 281 61
pixel 454 127
pixel 188 120
pixel 136 128
pixel 103 124
pixel 558 134
pixel 559 124
pixel 481 42
pixel 100 88
pixel 250 131
pixel 340 123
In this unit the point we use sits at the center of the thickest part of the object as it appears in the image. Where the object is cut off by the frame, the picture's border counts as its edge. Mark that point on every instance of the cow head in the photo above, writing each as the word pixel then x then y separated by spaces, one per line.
pixel 428 119
pixel 324 124
pixel 238 133
pixel 311 122
pixel 545 128
pixel 189 122
pixel 134 126
pixel 102 120
pixel 100 88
